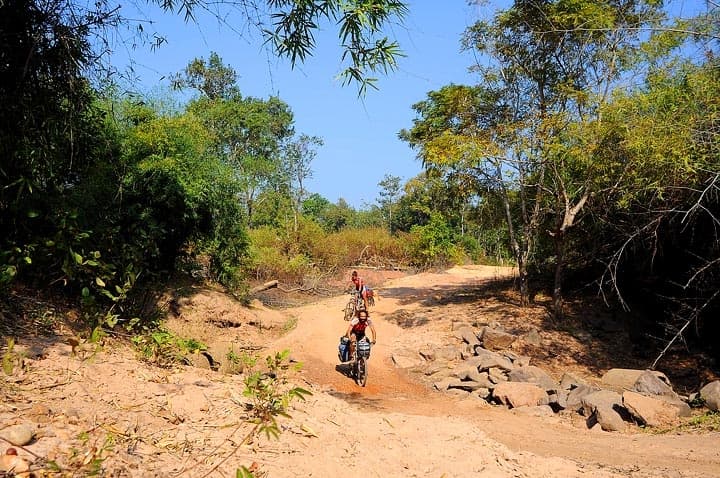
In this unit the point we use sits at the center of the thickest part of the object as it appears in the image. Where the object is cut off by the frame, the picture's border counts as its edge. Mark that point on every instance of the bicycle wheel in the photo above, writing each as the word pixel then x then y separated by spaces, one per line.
pixel 349 311
pixel 361 376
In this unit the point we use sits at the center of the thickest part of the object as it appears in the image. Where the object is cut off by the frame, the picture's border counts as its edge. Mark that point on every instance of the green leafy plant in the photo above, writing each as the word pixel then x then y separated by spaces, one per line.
pixel 164 349
pixel 270 394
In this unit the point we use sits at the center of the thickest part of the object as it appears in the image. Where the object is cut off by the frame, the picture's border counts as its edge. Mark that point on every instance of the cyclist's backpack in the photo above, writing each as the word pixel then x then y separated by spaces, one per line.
pixel 363 348
pixel 344 349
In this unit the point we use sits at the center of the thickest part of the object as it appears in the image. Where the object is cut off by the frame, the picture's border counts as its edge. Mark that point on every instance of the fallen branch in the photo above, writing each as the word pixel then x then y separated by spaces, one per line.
pixel 265 286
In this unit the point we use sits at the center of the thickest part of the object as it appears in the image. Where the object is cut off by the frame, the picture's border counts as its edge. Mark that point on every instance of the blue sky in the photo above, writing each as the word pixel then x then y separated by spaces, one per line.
pixel 359 134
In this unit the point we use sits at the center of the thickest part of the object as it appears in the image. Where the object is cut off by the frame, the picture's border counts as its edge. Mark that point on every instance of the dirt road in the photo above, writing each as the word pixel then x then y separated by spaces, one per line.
pixel 100 410
pixel 391 391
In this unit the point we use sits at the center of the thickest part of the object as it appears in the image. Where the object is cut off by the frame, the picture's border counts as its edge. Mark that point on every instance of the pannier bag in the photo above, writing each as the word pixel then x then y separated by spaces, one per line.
pixel 344 349
pixel 364 348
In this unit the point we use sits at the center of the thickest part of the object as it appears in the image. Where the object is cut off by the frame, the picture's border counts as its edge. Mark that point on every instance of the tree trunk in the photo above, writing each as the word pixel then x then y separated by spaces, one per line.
pixel 559 270
pixel 524 282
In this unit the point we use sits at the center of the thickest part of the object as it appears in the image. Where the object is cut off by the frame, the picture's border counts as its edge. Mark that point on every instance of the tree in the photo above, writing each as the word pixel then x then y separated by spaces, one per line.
pixel 657 237
pixel 298 156
pixel 550 64
pixel 213 79
pixel 249 132
pixel 389 192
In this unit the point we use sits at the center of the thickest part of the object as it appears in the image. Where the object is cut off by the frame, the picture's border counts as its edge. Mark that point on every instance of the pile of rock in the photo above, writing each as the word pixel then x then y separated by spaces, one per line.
pixel 483 365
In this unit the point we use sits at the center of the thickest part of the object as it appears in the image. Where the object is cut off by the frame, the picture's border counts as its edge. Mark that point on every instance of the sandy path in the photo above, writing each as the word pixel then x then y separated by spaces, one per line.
pixel 139 420
pixel 391 393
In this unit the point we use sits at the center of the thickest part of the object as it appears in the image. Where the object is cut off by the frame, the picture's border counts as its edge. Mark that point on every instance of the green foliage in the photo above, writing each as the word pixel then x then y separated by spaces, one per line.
pixel 271 394
pixel 433 244
pixel 360 24
pixel 165 349
pixel 273 254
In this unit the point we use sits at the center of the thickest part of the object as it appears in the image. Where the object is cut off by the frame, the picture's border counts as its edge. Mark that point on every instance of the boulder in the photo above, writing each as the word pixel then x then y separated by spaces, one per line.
pixel 519 394
pixel 574 398
pixel 610 420
pixel 605 407
pixel 710 393
pixel 620 379
pixel 467 385
pixel 486 359
pixel 532 337
pixel 600 399
pixel 570 381
pixel 444 384
pixel 405 358
pixel 497 375
pixel 533 374
pixel 466 372
pixel 468 335
pixel 472 374
pixel 495 339
pixel 649 383
pixel 654 411
pixel 448 352
pixel 19 435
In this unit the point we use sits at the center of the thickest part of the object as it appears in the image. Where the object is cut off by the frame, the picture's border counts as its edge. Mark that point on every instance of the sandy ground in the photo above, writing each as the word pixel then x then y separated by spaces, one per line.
pixel 133 419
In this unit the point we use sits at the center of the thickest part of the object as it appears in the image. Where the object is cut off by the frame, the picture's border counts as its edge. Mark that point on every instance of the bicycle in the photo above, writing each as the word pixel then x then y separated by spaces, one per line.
pixel 359 364
pixel 355 303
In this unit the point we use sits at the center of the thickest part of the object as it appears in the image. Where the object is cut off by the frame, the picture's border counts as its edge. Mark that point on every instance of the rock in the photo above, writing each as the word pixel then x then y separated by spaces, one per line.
pixel 497 375
pixel 648 383
pixel 576 395
pixel 13 465
pixel 533 374
pixel 653 411
pixel 610 420
pixel 570 381
pixel 483 393
pixel 520 360
pixel 519 394
pixel 620 379
pixel 532 337
pixel 710 393
pixel 600 399
pixel 18 435
pixel 444 384
pixel 485 359
pixel 481 379
pixel 405 359
pixel 458 392
pixel 466 372
pixel 446 353
pixel 558 399
pixel 467 385
pixel 428 353
pixel 468 336
pixel 457 325
pixel 494 339
pixel 606 408
pixel 467 351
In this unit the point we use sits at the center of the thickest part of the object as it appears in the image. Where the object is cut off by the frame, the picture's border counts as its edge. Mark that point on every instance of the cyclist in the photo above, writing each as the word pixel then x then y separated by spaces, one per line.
pixel 356 329
pixel 360 287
